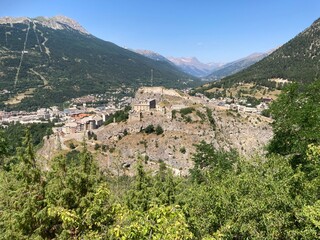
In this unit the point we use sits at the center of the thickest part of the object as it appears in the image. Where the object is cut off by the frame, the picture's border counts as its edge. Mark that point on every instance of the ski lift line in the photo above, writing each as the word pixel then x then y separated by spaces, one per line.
pixel 35 32
pixel 6 34
pixel 21 58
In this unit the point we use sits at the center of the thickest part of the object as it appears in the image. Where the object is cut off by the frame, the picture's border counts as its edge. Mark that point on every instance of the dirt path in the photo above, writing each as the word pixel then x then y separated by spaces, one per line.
pixel 46 49
pixel 45 81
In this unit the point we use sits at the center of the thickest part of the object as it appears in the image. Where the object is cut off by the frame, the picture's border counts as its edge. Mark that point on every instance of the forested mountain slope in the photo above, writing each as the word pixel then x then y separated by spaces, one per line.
pixel 54 59
pixel 297 60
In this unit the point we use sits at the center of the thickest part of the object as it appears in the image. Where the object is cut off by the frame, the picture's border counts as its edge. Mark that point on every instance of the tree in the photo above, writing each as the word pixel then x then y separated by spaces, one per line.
pixel 266 113
pixel 312 216
pixel 78 201
pixel 252 200
pixel 296 114
pixel 22 196
pixel 139 197
pixel 159 130
pixel 158 222
pixel 207 157
pixel 3 148
pixel 149 129
pixel 210 118
pixel 164 186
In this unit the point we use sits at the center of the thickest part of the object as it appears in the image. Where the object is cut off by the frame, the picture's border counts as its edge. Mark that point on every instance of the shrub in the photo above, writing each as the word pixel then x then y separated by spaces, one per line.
pixel 159 130
pixel 96 146
pixel 174 112
pixel 149 129
pixel 265 113
pixel 72 146
pixel 188 119
pixel 185 111
pixel 201 115
pixel 104 148
pixel 183 150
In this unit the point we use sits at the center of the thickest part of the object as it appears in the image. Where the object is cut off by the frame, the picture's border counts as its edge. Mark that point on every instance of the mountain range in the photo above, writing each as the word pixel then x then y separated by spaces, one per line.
pixel 51 60
pixel 236 66
pixel 209 71
pixel 47 61
pixel 193 66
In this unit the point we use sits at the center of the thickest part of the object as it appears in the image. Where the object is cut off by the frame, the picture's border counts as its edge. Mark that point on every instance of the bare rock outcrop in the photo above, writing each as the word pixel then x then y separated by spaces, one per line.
pixel 121 144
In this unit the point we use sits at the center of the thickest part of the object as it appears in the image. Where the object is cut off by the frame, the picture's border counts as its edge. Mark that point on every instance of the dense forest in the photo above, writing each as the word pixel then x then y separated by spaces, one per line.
pixel 275 196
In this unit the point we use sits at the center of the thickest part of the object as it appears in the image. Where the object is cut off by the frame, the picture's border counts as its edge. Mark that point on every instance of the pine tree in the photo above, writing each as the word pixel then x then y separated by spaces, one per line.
pixel 139 197
pixel 164 187
pixel 22 199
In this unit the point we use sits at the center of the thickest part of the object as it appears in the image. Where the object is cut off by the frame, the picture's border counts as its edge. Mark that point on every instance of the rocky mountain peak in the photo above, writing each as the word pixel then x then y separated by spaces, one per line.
pixel 193 66
pixel 317 22
pixel 152 55
pixel 70 22
pixel 12 20
pixel 56 22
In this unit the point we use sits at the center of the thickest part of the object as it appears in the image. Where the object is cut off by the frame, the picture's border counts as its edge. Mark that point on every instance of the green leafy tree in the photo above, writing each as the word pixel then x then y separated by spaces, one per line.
pixel 15 132
pixel 252 200
pixel 210 118
pixel 207 157
pixel 311 214
pixel 158 222
pixel 296 114
pixel 119 116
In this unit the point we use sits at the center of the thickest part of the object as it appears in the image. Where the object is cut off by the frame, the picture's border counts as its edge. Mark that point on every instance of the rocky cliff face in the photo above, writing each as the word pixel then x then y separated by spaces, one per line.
pixel 126 142
pixel 56 22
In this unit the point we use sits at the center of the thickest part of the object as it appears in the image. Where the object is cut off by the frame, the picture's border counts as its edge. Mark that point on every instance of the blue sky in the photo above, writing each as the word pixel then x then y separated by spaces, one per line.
pixel 212 31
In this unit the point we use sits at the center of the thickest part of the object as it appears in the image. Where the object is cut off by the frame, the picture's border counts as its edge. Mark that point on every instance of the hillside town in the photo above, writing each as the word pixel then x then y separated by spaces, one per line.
pixel 79 118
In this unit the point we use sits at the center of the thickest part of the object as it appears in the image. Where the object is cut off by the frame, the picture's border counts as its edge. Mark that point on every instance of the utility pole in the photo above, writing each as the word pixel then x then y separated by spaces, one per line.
pixel 151 77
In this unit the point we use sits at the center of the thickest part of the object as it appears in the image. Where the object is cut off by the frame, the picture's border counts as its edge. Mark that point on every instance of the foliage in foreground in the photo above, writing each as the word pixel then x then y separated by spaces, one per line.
pixel 296 125
pixel 73 201
pixel 230 199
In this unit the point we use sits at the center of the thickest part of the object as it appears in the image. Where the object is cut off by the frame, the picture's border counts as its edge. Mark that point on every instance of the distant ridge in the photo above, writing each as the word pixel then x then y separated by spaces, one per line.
pixel 206 71
pixel 193 66
pixel 236 66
